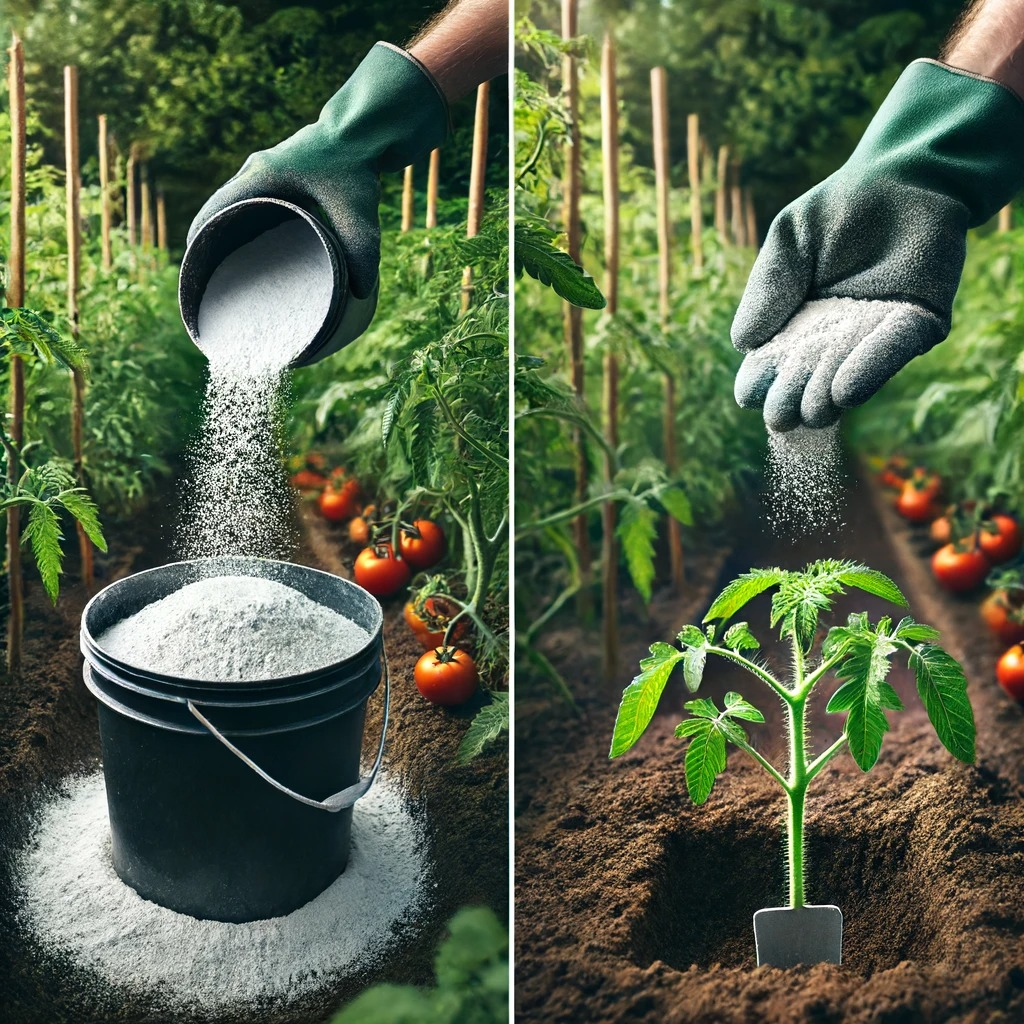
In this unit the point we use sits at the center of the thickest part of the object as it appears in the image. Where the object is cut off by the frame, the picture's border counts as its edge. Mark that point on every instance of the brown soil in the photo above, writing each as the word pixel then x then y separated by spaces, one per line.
pixel 634 905
pixel 48 731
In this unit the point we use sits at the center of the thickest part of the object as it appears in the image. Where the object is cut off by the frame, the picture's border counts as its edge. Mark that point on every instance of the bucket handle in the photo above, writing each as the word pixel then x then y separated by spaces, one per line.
pixel 339 801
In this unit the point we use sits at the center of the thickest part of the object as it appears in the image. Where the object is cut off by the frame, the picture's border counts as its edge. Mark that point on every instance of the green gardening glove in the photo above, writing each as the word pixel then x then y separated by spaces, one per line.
pixel 858 275
pixel 388 113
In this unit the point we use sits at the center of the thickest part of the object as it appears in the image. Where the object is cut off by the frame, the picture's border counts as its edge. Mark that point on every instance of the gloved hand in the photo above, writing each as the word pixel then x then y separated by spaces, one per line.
pixel 389 112
pixel 857 276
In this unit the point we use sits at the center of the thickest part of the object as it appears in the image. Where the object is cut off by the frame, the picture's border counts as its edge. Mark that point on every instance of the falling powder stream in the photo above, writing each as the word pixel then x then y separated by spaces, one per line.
pixel 262 306
pixel 805 481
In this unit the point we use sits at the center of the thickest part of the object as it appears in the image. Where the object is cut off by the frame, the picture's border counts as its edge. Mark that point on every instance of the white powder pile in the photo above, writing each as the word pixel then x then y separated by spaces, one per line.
pixel 234 629
pixel 77 907
pixel 805 481
pixel 262 307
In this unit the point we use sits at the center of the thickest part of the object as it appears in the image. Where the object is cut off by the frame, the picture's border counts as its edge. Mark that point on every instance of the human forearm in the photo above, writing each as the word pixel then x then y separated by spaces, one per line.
pixel 464 45
pixel 989 40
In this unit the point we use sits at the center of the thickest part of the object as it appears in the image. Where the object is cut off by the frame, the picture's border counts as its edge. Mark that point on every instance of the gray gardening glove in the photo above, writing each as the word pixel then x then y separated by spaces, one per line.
pixel 389 112
pixel 858 275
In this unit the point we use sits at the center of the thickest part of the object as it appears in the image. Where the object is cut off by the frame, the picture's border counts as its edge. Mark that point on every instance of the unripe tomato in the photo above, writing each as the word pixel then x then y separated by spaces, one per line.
pixel 1000 538
pixel 960 567
pixel 1003 618
pixel 339 502
pixel 1010 672
pixel 446 676
pixel 378 571
pixel 422 546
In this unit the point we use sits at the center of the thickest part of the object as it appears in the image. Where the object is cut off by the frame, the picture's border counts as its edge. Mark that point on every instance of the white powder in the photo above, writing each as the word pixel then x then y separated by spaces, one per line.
pixel 234 629
pixel 805 481
pixel 262 307
pixel 76 907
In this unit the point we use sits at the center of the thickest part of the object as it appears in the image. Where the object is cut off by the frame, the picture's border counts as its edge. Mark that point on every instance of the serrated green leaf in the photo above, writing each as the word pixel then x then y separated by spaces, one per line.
pixel 737 707
pixel 691 636
pixel 640 698
pixel 943 690
pixel 487 725
pixel 42 533
pixel 872 582
pixel 84 510
pixel 705 761
pixel 638 530
pixel 693 667
pixel 677 505
pixel 739 638
pixel 691 726
pixel 538 256
pixel 702 707
pixel 914 632
pixel 741 590
pixel 731 730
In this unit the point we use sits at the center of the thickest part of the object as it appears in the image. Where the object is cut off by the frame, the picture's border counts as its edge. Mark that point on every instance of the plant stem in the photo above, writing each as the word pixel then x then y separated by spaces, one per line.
pixel 753 669
pixel 797 793
pixel 823 759
pixel 765 764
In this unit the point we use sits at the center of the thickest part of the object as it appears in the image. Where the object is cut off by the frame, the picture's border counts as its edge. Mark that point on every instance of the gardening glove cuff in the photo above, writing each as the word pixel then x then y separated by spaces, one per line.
pixel 858 276
pixel 388 113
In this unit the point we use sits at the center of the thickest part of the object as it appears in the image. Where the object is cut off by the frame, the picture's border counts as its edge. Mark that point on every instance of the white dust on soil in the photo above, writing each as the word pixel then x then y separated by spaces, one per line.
pixel 234 629
pixel 77 908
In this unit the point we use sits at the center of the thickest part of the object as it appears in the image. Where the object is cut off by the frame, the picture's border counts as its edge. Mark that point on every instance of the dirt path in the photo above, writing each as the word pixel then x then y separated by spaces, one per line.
pixel 633 905
pixel 48 730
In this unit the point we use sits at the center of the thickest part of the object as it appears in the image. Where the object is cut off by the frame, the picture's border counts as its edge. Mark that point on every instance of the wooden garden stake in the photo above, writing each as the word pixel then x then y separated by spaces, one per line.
pixel 432 176
pixel 407 200
pixel 610 179
pixel 572 316
pixel 73 185
pixel 722 196
pixel 130 196
pixel 750 217
pixel 659 106
pixel 161 221
pixel 739 223
pixel 146 219
pixel 1006 218
pixel 477 179
pixel 16 298
pixel 693 166
pixel 107 258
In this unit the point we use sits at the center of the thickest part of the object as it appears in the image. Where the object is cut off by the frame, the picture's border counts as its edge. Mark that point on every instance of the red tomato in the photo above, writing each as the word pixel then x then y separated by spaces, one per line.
pixel 446 676
pixel 422 546
pixel 379 572
pixel 339 503
pixel 916 503
pixel 1000 538
pixel 431 626
pixel 307 480
pixel 930 483
pixel 1005 619
pixel 1010 672
pixel 941 531
pixel 960 567
pixel 359 531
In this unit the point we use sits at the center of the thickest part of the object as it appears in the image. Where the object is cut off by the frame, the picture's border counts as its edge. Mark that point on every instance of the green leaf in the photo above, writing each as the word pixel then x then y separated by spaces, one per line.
pixel 42 532
pixel 872 582
pixel 943 690
pixel 693 667
pixel 691 636
pixel 542 259
pixel 84 510
pixel 731 730
pixel 691 726
pixel 914 632
pixel 865 696
pixel 741 590
pixel 487 725
pixel 739 638
pixel 640 698
pixel 705 761
pixel 702 707
pixel 638 530
pixel 677 505
pixel 737 707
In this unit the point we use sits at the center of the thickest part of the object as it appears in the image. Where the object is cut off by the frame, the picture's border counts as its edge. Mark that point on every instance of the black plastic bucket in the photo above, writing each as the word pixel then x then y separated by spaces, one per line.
pixel 232 801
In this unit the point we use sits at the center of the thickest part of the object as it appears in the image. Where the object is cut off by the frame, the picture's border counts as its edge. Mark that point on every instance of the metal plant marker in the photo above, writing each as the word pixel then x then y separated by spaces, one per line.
pixel 788 936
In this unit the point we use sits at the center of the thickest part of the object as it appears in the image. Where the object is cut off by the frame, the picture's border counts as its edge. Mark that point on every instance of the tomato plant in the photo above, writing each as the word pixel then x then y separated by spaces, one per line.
pixel 446 676
pixel 430 617
pixel 380 572
pixel 960 567
pixel 857 656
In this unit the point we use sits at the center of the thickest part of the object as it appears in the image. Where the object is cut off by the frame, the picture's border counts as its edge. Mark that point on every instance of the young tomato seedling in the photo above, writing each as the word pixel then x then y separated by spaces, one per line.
pixel 858 655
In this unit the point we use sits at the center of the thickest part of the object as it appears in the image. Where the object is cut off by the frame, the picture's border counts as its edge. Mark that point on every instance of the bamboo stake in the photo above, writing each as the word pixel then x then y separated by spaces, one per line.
pixel 750 217
pixel 572 316
pixel 432 176
pixel 659 105
pixel 107 257
pixel 73 222
pixel 407 200
pixel 693 166
pixel 477 178
pixel 146 219
pixel 161 221
pixel 130 196
pixel 739 226
pixel 610 162
pixel 15 298
pixel 1006 218
pixel 722 196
